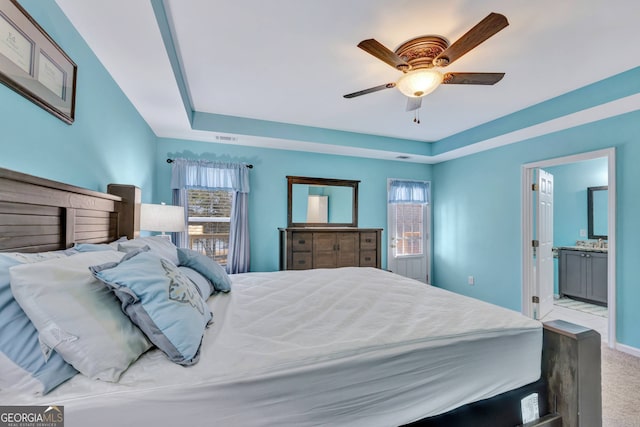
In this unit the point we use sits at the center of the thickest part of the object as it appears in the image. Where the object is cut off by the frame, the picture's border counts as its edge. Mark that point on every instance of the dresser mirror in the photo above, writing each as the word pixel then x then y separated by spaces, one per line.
pixel 597 205
pixel 321 202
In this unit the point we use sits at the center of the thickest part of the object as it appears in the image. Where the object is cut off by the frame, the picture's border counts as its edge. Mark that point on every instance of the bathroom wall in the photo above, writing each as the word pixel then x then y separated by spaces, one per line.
pixel 570 201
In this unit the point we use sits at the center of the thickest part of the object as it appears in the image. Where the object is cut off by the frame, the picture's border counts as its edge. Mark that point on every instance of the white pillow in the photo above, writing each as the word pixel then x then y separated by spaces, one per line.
pixel 77 315
pixel 23 368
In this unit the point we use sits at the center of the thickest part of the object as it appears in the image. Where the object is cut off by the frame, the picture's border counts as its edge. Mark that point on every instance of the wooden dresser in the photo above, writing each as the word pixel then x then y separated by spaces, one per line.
pixel 331 247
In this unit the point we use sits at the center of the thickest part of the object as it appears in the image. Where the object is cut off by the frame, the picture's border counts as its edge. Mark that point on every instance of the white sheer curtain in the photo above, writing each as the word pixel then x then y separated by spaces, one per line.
pixel 204 174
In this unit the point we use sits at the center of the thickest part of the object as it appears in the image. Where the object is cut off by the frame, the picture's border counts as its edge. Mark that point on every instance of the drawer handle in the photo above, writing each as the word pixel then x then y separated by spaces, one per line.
pixel 301 261
pixel 367 240
pixel 368 258
pixel 302 242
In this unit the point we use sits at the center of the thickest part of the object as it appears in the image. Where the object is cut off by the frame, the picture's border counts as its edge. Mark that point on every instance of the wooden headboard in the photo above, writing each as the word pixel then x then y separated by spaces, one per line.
pixel 38 214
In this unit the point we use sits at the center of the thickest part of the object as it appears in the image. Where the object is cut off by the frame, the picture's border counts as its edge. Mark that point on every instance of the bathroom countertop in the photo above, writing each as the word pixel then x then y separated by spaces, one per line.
pixel 583 248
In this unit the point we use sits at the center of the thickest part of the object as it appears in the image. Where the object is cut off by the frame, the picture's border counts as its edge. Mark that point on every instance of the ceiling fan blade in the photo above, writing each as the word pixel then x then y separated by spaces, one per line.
pixel 370 90
pixel 493 23
pixel 377 49
pixel 472 78
pixel 413 103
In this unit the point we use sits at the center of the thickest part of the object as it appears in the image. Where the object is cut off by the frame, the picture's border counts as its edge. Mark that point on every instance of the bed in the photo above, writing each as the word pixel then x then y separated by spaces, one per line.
pixel 349 346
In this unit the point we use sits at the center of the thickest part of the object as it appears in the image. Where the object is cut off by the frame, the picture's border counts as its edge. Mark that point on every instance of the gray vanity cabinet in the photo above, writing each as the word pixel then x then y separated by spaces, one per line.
pixel 583 274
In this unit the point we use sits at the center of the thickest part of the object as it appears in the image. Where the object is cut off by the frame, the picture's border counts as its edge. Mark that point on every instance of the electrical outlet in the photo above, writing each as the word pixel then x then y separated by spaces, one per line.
pixel 471 280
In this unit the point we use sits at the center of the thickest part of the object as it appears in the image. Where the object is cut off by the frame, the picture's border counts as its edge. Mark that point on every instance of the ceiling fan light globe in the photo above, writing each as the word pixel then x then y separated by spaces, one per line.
pixel 419 83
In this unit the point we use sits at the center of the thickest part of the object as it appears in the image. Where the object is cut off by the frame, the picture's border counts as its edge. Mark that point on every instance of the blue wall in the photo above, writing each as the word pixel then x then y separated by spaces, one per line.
pixel 477 204
pixel 570 197
pixel 300 194
pixel 268 196
pixel 340 204
pixel 108 142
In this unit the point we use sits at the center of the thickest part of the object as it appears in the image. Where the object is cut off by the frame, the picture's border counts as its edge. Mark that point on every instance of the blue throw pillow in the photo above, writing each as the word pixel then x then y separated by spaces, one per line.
pixel 157 245
pixel 22 363
pixel 205 287
pixel 164 303
pixel 205 266
pixel 94 247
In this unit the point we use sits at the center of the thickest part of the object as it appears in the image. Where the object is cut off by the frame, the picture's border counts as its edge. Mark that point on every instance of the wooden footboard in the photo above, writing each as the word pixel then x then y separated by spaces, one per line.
pixel 571 365
pixel 569 389
pixel 569 393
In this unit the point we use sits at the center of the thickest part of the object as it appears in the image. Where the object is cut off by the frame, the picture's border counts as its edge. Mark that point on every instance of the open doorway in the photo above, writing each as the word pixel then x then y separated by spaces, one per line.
pixel 532 293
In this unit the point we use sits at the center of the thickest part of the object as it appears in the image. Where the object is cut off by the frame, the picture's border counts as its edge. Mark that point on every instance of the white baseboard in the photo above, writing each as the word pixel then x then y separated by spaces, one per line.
pixel 628 349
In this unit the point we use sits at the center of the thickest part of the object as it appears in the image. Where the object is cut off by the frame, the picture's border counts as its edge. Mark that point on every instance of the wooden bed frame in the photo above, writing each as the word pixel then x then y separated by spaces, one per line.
pixel 38 215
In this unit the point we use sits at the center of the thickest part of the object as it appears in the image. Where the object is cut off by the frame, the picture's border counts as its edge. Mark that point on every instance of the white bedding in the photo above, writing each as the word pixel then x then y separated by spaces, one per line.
pixel 349 346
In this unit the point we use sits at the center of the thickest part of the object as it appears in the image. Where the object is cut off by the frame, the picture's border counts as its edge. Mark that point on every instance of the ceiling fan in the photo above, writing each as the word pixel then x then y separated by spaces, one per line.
pixel 418 58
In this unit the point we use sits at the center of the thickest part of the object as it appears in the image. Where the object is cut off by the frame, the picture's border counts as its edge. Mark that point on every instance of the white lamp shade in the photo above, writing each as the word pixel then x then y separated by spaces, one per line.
pixel 419 83
pixel 161 218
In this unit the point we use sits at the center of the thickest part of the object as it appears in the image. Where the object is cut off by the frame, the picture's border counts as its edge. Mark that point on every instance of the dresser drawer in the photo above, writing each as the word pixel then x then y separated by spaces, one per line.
pixel 368 240
pixel 368 259
pixel 301 242
pixel 301 261
pixel 329 247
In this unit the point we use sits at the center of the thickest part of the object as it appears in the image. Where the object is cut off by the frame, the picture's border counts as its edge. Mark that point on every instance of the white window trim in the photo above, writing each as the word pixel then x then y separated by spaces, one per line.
pixel 209 219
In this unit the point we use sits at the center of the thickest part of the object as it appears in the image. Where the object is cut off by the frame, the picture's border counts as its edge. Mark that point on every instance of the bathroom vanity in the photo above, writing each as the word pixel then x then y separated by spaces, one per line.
pixel 583 273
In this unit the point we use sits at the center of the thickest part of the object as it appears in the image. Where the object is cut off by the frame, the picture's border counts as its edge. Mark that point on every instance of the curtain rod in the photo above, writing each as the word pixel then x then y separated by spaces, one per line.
pixel 247 165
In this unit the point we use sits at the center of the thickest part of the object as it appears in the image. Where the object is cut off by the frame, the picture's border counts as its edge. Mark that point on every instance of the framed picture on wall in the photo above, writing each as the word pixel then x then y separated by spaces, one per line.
pixel 33 65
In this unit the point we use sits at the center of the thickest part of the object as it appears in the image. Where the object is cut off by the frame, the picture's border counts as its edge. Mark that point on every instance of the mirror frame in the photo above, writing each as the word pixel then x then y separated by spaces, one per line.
pixel 322 181
pixel 590 191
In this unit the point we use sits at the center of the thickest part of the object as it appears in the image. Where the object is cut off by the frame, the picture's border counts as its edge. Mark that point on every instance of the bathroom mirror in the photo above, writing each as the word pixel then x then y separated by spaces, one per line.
pixel 321 202
pixel 597 212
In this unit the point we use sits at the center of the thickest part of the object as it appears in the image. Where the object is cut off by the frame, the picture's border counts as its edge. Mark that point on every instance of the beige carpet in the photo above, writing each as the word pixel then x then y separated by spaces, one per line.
pixel 620 389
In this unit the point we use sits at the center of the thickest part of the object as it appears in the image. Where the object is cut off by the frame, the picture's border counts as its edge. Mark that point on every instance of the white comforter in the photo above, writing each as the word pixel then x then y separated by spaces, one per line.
pixel 350 346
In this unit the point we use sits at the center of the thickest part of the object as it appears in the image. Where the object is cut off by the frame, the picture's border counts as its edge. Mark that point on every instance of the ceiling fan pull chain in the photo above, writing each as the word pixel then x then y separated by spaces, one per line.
pixel 416 117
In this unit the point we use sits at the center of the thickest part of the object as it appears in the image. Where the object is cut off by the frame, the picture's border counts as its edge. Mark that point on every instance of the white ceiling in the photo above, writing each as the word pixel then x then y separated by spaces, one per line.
pixel 290 61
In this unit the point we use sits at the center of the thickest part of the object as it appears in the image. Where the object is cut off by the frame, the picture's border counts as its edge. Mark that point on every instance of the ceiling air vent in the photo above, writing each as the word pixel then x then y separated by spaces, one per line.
pixel 226 138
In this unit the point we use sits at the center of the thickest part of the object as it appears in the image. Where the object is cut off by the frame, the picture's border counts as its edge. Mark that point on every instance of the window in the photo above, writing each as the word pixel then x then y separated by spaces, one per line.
pixel 408 228
pixel 209 216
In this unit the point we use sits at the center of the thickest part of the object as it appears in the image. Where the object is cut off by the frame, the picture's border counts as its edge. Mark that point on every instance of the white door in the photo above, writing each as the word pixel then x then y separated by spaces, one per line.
pixel 544 236
pixel 408 226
